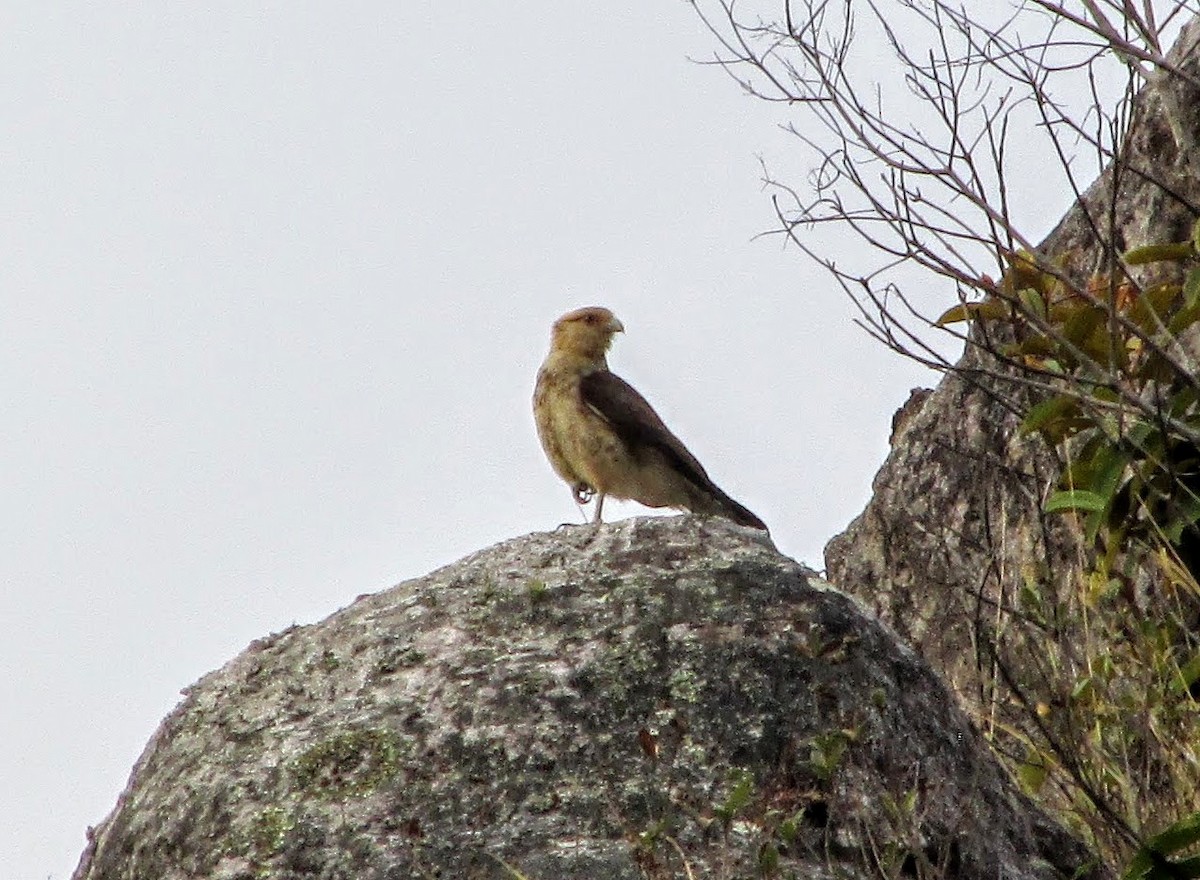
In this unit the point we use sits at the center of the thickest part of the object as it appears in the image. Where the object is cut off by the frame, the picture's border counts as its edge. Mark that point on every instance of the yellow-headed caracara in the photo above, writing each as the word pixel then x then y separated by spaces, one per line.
pixel 603 438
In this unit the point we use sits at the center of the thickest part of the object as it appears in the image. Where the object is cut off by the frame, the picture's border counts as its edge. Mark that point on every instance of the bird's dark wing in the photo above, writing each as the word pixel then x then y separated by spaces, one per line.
pixel 636 423
pixel 638 426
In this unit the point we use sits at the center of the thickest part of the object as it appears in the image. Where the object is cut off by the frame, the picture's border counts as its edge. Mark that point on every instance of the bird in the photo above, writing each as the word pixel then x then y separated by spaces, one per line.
pixel 602 437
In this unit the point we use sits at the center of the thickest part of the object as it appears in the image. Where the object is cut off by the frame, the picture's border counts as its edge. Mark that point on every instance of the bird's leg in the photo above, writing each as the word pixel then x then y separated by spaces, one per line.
pixel 583 493
pixel 599 507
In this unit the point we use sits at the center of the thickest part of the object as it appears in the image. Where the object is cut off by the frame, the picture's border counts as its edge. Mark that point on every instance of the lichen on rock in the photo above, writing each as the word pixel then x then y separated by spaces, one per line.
pixel 664 697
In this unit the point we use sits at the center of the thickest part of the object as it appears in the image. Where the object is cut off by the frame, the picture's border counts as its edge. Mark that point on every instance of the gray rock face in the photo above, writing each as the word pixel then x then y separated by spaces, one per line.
pixel 656 698
pixel 955 526
pixel 1154 194
pixel 953 522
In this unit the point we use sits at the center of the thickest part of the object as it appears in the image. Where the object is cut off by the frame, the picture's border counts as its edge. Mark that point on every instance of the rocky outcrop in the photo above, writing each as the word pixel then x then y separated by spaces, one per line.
pixel 655 698
pixel 954 529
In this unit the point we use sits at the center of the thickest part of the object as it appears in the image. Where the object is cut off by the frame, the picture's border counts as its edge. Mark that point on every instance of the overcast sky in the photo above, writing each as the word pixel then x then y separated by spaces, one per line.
pixel 276 283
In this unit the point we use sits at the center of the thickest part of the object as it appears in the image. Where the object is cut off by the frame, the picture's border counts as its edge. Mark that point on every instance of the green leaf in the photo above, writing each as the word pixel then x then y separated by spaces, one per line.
pixel 1188 673
pixel 738 797
pixel 1083 689
pixel 1157 253
pixel 1183 402
pixel 1108 469
pixel 1075 499
pixel 1038 345
pixel 1079 321
pixel 1091 526
pixel 1054 418
pixel 1023 272
pixel 986 310
pixel 1079 471
pixel 1188 504
pixel 789 828
pixel 1031 777
pixel 1140 435
pixel 1151 308
pixel 954 315
pixel 1188 315
pixel 1032 302
pixel 1191 287
pixel 1032 772
pixel 826 752
pixel 1139 866
pixel 768 859
pixel 1154 367
pixel 1150 861
pixel 1181 835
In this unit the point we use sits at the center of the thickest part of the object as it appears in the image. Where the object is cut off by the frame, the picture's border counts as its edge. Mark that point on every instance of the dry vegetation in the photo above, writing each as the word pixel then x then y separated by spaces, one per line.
pixel 1093 671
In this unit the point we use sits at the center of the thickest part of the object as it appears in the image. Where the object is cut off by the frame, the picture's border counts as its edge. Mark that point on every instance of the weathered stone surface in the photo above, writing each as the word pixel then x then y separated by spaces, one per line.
pixel 579 705
pixel 952 527
pixel 955 525
pixel 1152 193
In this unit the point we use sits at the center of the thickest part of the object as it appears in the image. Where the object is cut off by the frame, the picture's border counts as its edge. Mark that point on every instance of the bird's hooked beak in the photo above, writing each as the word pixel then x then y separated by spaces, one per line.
pixel 615 326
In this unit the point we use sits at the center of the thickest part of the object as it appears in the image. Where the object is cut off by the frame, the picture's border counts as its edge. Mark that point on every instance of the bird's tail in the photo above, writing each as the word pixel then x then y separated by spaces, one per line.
pixel 741 515
pixel 720 504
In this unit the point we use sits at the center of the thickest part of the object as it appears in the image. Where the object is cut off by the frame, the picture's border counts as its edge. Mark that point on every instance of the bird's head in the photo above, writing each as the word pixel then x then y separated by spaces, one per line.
pixel 585 333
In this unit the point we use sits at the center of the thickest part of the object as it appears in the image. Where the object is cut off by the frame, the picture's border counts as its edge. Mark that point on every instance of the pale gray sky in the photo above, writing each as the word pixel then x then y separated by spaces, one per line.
pixel 276 282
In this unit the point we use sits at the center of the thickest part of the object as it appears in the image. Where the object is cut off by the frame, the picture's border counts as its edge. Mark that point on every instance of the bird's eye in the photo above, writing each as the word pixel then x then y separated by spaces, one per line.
pixel 591 319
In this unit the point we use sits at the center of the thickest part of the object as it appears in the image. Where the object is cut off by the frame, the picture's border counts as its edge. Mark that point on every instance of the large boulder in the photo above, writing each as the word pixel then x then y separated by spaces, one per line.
pixel 663 697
